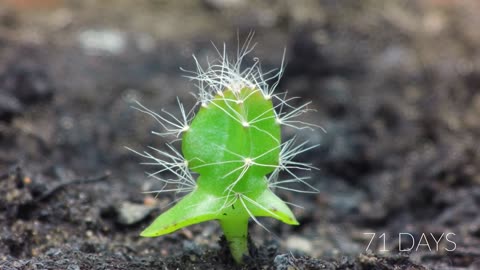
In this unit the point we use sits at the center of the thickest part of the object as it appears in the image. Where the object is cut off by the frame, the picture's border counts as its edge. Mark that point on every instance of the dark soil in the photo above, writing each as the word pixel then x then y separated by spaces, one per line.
pixel 396 85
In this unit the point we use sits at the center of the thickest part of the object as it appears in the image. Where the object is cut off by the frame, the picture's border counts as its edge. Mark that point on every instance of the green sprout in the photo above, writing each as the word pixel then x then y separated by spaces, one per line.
pixel 232 152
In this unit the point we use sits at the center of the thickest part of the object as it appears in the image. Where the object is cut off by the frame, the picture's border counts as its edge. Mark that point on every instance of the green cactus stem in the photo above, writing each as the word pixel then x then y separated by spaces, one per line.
pixel 234 145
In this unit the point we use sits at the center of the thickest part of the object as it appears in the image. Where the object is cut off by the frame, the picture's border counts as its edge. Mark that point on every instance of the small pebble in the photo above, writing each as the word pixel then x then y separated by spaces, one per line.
pixel 131 213
pixel 300 244
pixel 103 41
pixel 73 267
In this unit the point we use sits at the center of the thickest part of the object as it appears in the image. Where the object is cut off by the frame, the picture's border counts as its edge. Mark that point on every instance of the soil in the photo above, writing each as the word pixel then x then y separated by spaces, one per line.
pixel 395 84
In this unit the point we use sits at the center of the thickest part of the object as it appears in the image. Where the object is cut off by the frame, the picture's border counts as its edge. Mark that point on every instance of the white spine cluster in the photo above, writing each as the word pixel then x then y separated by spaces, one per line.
pixel 172 162
pixel 223 73
pixel 289 150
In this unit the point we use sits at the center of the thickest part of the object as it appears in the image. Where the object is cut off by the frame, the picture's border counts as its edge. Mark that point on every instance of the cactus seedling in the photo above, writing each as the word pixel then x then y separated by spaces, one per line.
pixel 233 144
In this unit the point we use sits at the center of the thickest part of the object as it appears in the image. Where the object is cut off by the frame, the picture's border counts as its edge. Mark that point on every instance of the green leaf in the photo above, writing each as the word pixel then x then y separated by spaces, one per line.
pixel 194 208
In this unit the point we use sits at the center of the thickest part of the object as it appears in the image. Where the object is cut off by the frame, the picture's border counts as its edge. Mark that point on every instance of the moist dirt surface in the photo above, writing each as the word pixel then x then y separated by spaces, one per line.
pixel 395 85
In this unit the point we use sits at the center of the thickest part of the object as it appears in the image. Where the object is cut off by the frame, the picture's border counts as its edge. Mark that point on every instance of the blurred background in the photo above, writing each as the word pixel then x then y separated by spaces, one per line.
pixel 394 83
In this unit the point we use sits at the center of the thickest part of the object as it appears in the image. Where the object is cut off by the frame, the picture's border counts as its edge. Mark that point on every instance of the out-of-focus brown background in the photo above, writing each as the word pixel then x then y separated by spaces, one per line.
pixel 396 85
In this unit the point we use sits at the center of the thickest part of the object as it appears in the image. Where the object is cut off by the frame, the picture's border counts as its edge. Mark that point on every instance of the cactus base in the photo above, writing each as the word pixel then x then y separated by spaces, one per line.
pixel 236 231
